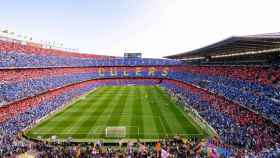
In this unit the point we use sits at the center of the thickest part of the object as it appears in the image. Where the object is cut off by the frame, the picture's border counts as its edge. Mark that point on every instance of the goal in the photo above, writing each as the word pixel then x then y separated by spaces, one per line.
pixel 115 132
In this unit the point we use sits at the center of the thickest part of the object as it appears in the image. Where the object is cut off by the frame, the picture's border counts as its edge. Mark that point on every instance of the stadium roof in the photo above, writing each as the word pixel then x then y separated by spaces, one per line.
pixel 235 45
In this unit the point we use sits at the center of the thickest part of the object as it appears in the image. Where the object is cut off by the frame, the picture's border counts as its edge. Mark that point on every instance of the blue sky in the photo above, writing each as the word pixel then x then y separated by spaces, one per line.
pixel 153 27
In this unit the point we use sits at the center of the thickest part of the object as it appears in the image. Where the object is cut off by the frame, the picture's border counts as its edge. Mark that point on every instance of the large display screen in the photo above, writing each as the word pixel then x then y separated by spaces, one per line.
pixel 133 55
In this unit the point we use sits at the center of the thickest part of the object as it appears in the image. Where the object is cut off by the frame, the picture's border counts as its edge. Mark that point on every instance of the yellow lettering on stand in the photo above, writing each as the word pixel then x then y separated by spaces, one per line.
pixel 125 73
pixel 113 72
pixel 165 71
pixel 151 71
pixel 101 71
pixel 138 71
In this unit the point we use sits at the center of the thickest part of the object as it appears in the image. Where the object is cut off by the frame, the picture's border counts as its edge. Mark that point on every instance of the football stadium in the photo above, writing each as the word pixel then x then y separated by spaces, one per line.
pixel 218 100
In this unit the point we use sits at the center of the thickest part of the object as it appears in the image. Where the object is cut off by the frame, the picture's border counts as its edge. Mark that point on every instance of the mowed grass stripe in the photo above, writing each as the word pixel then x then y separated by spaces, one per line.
pixel 157 113
pixel 49 125
pixel 81 102
pixel 101 122
pixel 76 108
pixel 127 115
pixel 79 107
pixel 149 123
pixel 88 123
pixel 137 113
pixel 181 119
pixel 166 109
pixel 67 125
pixel 148 108
pixel 118 109
pixel 160 111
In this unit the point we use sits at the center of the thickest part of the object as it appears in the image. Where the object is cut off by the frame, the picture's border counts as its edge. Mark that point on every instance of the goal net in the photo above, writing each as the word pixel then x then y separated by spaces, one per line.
pixel 115 132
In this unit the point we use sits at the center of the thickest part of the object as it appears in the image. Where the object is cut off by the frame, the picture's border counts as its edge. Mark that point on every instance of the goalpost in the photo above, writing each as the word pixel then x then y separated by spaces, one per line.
pixel 115 132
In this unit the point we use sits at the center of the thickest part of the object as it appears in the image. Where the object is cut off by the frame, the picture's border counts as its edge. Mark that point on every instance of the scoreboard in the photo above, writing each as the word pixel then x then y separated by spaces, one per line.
pixel 133 55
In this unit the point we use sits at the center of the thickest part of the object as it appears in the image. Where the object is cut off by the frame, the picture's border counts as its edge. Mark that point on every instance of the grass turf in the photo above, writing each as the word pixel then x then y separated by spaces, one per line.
pixel 147 112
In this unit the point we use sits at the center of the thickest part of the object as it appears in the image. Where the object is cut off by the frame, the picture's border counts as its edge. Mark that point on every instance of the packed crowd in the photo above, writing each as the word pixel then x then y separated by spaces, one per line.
pixel 14 88
pixel 165 148
pixel 16 75
pixel 21 60
pixel 17 107
pixel 261 75
pixel 36 81
pixel 19 116
pixel 262 97
pixel 261 94
pixel 235 125
pixel 17 84
pixel 22 47
pixel 23 56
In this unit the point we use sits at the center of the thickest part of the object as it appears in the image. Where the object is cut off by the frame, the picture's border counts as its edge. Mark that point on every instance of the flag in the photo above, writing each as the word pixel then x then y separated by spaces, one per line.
pixel 212 153
pixel 185 141
pixel 142 148
pixel 164 153
pixel 198 148
pixel 94 152
pixel 211 150
pixel 158 147
pixel 78 151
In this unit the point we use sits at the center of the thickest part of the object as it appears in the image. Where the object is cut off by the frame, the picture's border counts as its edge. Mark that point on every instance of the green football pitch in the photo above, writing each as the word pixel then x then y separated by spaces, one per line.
pixel 143 112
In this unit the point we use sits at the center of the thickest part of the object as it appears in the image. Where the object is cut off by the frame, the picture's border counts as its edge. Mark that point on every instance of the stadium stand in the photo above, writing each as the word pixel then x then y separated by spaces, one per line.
pixel 240 102
pixel 16 55
pixel 236 125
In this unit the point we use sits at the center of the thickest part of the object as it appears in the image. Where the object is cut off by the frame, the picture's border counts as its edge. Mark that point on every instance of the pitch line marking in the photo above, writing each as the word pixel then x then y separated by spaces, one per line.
pixel 101 114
